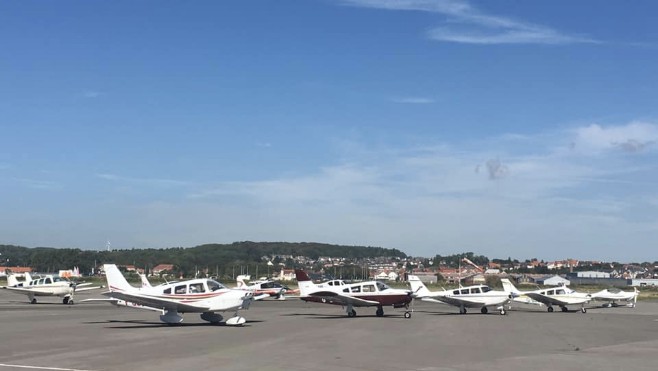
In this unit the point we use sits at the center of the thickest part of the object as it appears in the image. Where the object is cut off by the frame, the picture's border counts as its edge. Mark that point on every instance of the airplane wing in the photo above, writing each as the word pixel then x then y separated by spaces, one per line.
pixel 78 288
pixel 27 291
pixel 121 303
pixel 155 302
pixel 343 299
pixel 452 300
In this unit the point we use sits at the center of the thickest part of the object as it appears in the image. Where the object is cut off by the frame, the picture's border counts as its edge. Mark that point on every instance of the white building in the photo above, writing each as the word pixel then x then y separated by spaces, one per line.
pixel 553 281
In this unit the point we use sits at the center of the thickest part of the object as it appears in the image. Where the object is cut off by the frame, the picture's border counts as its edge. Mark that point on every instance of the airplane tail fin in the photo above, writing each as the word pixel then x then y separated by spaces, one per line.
pixel 12 281
pixel 418 287
pixel 115 280
pixel 304 282
pixel 241 281
pixel 28 277
pixel 509 288
pixel 145 281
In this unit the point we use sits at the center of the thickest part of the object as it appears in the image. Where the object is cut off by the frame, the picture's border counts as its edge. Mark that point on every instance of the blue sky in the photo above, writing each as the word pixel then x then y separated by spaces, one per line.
pixel 506 128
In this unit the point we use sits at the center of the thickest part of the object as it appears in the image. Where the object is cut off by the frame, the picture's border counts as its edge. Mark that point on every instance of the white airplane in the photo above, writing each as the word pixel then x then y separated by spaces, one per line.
pixel 517 296
pixel 49 285
pixel 362 294
pixel 613 296
pixel 560 296
pixel 263 287
pixel 478 296
pixel 203 296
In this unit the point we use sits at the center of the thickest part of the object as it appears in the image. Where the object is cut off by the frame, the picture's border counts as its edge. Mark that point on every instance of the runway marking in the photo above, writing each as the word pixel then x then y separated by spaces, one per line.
pixel 41 368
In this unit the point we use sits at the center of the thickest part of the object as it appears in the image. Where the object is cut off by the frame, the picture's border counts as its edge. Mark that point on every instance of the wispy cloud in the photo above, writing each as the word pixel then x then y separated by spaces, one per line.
pixel 38 183
pixel 413 100
pixel 467 24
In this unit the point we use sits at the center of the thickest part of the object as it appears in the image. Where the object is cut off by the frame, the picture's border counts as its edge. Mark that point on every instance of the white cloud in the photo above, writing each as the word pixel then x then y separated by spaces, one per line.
pixel 467 24
pixel 632 137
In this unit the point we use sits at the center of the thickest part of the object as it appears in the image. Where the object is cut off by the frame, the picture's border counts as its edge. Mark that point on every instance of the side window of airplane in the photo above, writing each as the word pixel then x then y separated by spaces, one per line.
pixel 475 290
pixel 464 291
pixel 167 291
pixel 48 281
pixel 41 281
pixel 196 288
pixel 356 289
pixel 456 292
pixel 180 289
pixel 346 290
pixel 486 288
pixel 559 292
pixel 368 288
pixel 550 292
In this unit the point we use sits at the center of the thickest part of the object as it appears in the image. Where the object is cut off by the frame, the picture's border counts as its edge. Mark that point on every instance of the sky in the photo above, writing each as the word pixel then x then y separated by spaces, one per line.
pixel 523 129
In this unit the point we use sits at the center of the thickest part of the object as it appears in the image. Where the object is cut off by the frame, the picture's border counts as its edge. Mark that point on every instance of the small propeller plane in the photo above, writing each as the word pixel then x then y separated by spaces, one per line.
pixel 48 285
pixel 560 296
pixel 477 296
pixel 261 287
pixel 203 296
pixel 613 296
pixel 362 294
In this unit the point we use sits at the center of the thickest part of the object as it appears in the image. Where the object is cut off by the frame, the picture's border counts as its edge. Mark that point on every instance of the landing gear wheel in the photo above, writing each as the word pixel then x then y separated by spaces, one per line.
pixel 584 310
pixel 33 301
pixel 484 310
pixel 65 300
pixel 407 314
pixel 564 309
pixel 380 312
pixel 462 310
pixel 550 309
pixel 351 313
pixel 503 312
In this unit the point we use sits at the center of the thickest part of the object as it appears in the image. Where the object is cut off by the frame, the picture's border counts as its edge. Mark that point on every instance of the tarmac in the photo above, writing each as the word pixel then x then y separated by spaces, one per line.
pixel 294 335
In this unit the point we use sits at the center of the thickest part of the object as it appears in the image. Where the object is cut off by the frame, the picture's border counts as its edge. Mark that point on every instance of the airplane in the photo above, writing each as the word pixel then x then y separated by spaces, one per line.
pixel 612 296
pixel 517 296
pixel 560 296
pixel 477 296
pixel 362 294
pixel 201 295
pixel 48 285
pixel 260 287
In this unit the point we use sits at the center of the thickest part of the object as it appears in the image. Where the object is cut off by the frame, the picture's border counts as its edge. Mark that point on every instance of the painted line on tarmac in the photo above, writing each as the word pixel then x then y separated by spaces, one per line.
pixel 41 368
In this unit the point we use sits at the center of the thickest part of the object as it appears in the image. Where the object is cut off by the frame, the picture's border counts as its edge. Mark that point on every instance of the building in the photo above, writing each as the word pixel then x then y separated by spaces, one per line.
pixel 589 274
pixel 162 268
pixel 553 281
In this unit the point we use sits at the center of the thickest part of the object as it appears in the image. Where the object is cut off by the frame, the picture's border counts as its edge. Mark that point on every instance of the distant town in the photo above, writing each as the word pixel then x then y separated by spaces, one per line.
pixel 466 268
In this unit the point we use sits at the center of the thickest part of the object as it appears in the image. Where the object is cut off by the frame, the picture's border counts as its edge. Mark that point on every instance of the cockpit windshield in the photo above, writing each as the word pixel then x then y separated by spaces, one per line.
pixel 382 286
pixel 486 288
pixel 214 285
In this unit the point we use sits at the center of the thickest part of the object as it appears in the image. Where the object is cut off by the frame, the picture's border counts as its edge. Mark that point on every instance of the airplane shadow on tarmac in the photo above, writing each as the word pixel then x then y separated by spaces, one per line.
pixel 137 324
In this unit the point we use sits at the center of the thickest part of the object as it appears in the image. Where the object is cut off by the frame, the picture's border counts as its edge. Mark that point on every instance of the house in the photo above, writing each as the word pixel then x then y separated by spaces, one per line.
pixel 162 268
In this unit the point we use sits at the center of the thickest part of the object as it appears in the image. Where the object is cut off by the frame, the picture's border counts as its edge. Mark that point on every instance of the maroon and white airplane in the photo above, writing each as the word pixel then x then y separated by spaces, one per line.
pixel 362 294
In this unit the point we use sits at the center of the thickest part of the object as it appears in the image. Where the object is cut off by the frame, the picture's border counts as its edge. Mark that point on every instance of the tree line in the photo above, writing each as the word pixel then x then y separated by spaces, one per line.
pixel 212 259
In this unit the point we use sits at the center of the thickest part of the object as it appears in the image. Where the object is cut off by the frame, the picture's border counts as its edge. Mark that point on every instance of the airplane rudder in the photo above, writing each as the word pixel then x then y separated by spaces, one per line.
pixel 115 279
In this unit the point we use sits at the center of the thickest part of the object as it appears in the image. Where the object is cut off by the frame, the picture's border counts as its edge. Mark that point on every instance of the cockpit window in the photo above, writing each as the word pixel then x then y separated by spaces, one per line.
pixel 214 285
pixel 196 288
pixel 182 289
pixel 475 290
pixel 48 281
pixel 382 286
pixel 486 288
pixel 369 288
pixel 559 292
